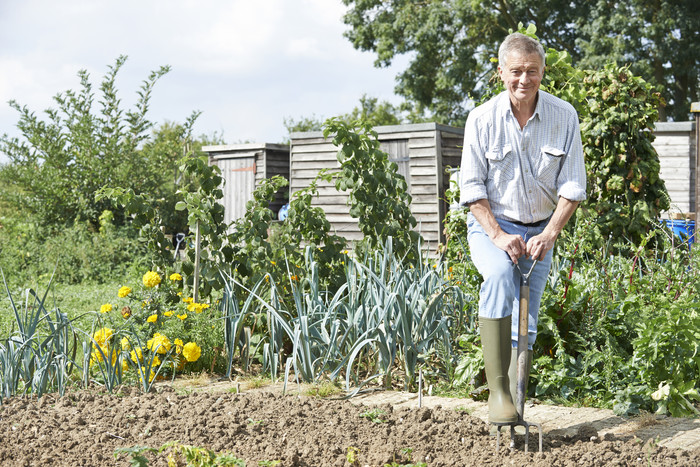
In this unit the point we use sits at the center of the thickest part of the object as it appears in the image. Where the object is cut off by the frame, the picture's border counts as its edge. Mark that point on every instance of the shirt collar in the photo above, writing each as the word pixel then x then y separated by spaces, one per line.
pixel 504 108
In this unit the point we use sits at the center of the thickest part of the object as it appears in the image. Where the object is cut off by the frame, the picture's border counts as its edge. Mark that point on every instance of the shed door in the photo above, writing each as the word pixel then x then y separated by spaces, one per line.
pixel 397 151
pixel 239 183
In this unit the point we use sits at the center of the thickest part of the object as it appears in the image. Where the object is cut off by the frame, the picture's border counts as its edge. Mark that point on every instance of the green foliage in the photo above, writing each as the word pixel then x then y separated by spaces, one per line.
pixel 254 256
pixel 625 194
pixel 378 195
pixel 621 330
pixel 374 415
pixel 658 40
pixel 77 252
pixel 205 214
pixel 177 452
pixel 307 225
pixel 451 44
pixel 199 199
pixel 55 170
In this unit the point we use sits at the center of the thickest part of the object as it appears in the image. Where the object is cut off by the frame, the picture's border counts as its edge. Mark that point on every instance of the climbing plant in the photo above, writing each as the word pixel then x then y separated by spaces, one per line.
pixel 378 194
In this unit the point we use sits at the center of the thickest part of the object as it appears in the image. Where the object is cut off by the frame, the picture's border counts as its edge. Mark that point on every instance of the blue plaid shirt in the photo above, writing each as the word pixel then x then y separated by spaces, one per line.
pixel 522 173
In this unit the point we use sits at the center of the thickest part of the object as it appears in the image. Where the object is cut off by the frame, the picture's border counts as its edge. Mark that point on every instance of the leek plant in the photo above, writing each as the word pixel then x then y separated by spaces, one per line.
pixel 388 315
pixel 40 354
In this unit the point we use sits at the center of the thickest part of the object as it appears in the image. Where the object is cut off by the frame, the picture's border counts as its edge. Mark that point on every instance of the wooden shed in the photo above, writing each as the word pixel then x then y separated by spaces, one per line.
pixel 675 144
pixel 243 168
pixel 422 152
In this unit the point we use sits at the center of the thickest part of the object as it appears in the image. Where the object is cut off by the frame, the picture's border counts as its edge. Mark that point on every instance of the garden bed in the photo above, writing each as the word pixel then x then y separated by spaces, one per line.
pixel 262 428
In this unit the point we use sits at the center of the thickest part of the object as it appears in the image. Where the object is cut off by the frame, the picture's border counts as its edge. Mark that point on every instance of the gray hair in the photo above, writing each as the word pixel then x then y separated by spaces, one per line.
pixel 520 43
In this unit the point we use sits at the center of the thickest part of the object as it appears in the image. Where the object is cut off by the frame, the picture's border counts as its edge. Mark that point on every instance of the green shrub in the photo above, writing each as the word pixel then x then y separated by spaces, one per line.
pixel 80 255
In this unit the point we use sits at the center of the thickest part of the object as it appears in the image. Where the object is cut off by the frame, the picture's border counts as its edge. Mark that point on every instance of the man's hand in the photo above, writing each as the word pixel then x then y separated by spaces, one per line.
pixel 539 245
pixel 514 245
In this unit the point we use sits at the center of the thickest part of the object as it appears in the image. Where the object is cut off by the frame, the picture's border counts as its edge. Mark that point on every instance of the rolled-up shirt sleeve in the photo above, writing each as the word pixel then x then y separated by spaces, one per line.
pixel 473 168
pixel 571 183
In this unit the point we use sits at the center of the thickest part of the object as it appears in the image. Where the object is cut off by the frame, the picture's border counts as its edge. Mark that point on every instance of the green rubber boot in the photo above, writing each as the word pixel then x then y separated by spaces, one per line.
pixel 495 343
pixel 513 372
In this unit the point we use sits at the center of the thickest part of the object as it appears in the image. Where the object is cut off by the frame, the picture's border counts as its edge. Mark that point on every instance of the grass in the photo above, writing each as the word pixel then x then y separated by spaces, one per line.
pixel 323 390
pixel 75 300
pixel 255 382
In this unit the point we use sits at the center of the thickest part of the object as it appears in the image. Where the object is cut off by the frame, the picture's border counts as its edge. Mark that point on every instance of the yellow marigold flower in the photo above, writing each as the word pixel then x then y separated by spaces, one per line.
pixel 137 355
pixel 124 291
pixel 273 263
pixel 449 269
pixel 126 312
pixel 188 300
pixel 178 345
pixel 169 313
pixel 196 307
pixel 345 252
pixel 106 308
pixel 151 279
pixel 191 351
pixel 159 343
pixel 150 377
pixel 125 365
pixel 183 316
pixel 98 355
pixel 156 361
pixel 152 318
pixel 175 277
pixel 102 336
pixel 125 343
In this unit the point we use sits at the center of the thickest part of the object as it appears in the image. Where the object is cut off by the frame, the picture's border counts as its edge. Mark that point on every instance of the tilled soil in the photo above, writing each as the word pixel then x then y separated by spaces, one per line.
pixel 85 429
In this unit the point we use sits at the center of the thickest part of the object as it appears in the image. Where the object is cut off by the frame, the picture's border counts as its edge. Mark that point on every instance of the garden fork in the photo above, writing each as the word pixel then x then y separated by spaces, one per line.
pixel 522 377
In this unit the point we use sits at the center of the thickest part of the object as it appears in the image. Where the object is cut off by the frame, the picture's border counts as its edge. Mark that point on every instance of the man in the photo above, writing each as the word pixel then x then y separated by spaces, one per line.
pixel 522 177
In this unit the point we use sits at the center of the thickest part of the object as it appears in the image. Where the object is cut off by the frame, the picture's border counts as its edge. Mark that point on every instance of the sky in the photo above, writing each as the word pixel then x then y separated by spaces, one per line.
pixel 245 64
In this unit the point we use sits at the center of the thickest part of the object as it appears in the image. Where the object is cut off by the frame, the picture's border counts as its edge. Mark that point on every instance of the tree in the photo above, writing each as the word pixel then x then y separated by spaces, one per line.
pixel 452 42
pixel 60 163
pixel 660 40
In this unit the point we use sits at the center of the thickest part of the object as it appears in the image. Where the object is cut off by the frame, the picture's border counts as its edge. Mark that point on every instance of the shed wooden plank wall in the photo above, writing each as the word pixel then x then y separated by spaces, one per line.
pixel 675 144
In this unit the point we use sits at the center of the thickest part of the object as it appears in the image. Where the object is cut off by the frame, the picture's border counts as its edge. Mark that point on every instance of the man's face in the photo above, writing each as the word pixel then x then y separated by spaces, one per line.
pixel 522 75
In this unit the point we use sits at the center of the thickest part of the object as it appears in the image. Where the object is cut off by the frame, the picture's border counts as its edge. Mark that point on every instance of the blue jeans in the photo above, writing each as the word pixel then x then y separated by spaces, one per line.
pixel 500 290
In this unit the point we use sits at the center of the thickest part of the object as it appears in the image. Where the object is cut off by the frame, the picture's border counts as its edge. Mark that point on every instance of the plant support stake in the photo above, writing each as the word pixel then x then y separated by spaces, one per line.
pixel 197 252
pixel 420 389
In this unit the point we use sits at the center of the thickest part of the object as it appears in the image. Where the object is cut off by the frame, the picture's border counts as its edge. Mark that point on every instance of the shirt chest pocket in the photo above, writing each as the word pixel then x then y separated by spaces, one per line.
pixel 550 164
pixel 500 161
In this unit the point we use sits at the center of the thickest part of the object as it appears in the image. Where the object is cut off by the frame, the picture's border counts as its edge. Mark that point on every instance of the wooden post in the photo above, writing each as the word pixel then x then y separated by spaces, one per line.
pixel 695 109
pixel 197 252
